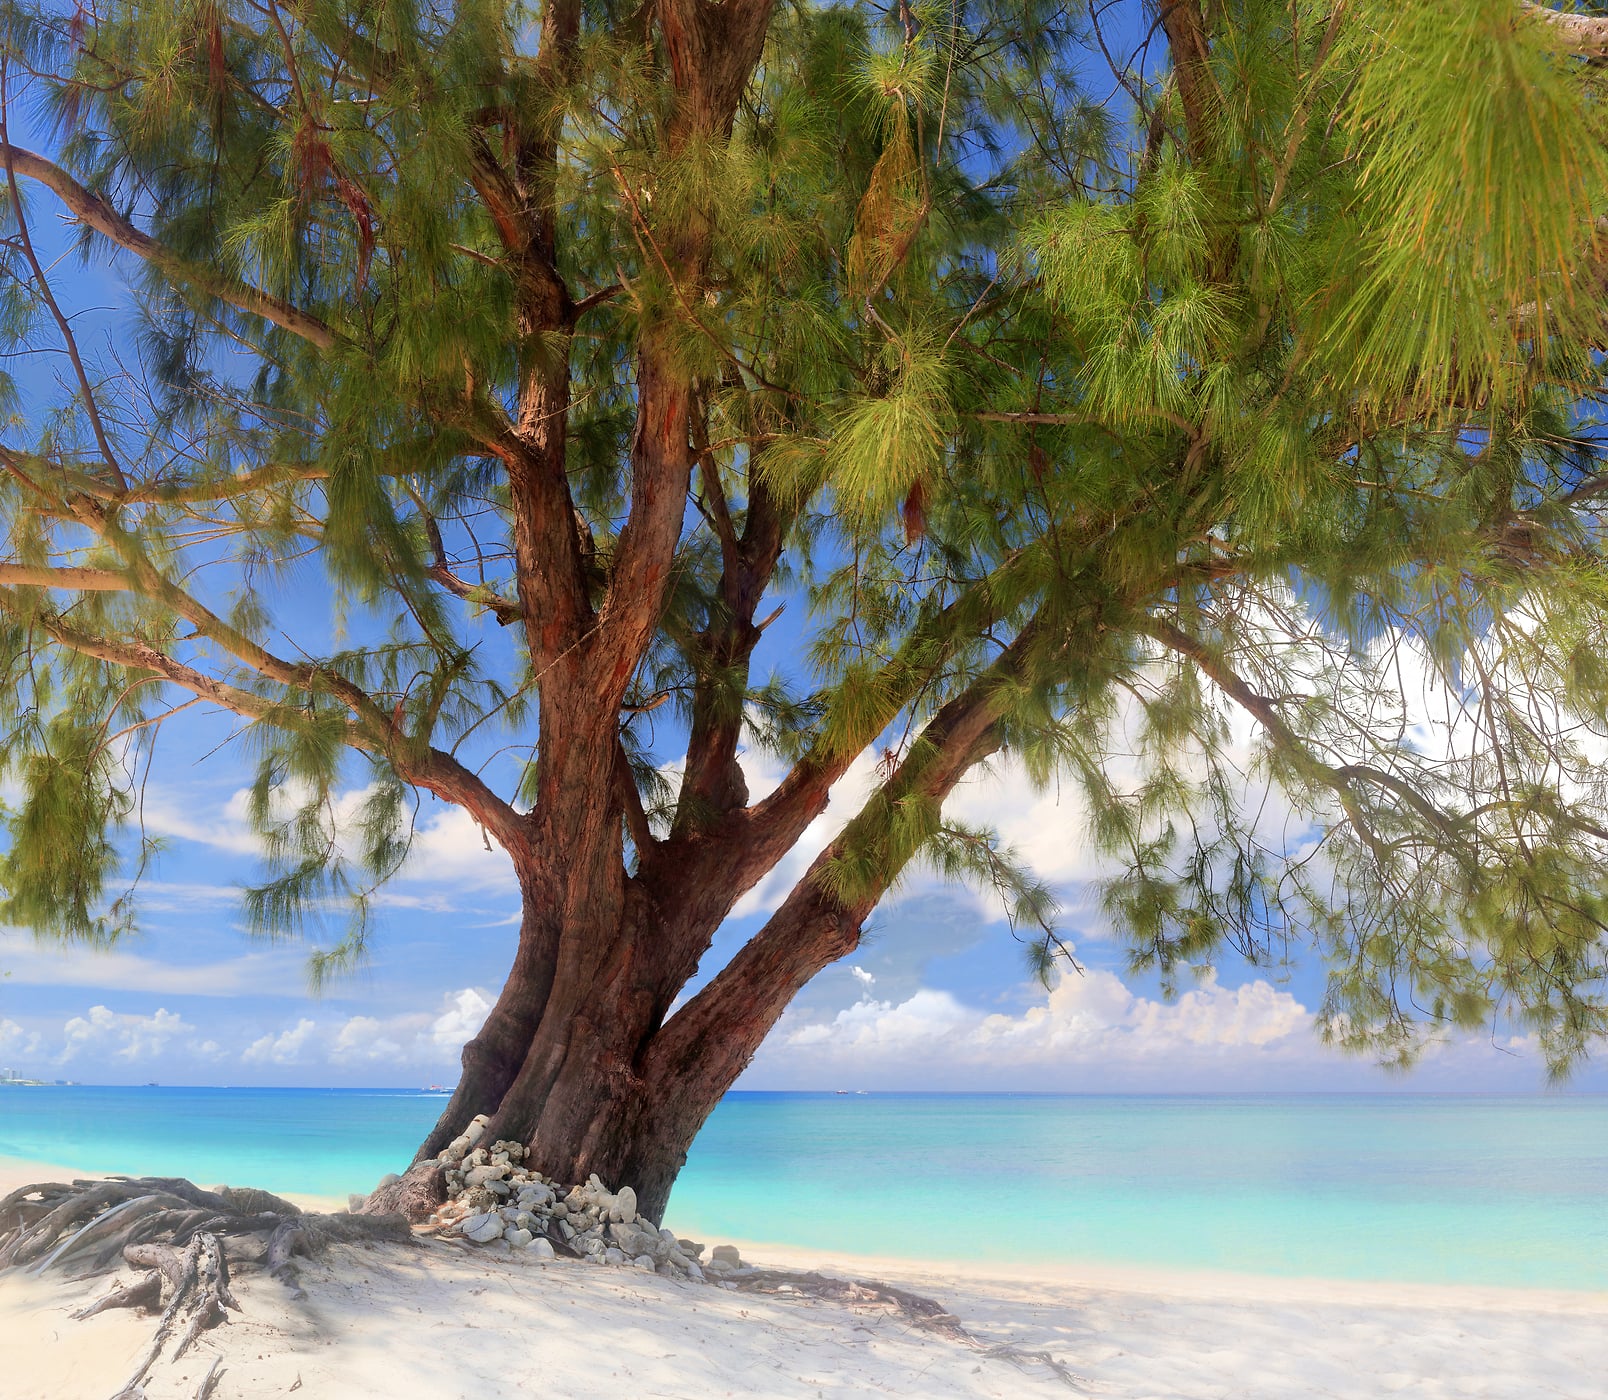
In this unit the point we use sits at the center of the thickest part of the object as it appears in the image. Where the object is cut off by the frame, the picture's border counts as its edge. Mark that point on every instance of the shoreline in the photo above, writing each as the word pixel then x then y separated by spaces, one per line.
pixel 1180 1283
pixel 1203 1285
pixel 445 1320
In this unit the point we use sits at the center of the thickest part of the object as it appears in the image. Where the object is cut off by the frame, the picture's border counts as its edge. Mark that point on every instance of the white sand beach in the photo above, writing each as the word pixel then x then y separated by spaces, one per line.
pixel 447 1321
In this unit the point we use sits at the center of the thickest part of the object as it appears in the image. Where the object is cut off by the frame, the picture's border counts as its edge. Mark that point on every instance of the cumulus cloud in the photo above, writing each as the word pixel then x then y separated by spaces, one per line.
pixel 364 1039
pixel 15 1042
pixel 286 1048
pixel 103 1031
pixel 1093 1033
pixel 424 1040
pixel 465 1013
pixel 1088 1023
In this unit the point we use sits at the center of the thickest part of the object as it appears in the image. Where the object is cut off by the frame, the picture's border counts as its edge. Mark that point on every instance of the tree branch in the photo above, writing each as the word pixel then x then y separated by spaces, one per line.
pixel 104 219
pixel 77 579
pixel 1185 26
pixel 1582 34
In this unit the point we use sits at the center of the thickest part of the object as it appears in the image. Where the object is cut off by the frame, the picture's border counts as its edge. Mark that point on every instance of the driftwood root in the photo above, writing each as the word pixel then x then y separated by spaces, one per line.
pixel 183 1242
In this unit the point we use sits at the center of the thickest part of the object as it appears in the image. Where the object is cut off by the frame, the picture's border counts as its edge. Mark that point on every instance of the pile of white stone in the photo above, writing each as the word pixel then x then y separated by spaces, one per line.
pixel 493 1197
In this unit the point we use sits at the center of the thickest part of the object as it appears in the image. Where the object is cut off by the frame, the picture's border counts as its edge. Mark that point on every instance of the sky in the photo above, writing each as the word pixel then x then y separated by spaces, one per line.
pixel 938 996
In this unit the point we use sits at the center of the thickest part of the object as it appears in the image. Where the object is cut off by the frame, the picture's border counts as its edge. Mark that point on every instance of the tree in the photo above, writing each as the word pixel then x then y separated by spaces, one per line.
pixel 571 342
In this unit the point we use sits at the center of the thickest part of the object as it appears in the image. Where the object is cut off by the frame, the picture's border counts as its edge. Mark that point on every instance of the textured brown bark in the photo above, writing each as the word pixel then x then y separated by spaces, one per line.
pixel 1184 23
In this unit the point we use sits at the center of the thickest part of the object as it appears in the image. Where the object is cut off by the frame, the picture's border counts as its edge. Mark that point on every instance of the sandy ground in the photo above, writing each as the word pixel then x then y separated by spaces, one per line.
pixel 442 1321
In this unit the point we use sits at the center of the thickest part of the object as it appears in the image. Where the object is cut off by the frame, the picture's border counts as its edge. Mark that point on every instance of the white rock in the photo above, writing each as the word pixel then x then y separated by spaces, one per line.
pixel 645 1262
pixel 542 1249
pixel 694 1272
pixel 625 1202
pixel 614 1256
pixel 518 1238
pixel 454 1150
pixel 482 1229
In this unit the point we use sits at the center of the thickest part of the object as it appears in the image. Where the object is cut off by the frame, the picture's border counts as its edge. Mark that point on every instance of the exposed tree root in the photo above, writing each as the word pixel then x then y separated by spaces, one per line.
pixel 183 1241
pixel 912 1308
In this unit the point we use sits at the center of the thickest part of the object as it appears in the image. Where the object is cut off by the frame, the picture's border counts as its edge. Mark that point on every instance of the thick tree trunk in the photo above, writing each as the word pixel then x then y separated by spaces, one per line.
pixel 577 1059
pixel 580 1059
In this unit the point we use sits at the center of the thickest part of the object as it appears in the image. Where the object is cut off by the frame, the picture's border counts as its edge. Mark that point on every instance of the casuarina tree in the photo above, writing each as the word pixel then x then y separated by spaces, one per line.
pixel 1183 405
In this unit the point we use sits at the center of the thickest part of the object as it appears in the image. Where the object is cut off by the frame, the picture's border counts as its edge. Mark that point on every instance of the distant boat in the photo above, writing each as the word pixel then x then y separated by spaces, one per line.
pixel 842 1091
pixel 153 1085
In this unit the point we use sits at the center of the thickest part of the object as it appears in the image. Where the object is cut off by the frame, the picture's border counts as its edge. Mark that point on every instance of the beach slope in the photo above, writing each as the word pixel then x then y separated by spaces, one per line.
pixel 443 1320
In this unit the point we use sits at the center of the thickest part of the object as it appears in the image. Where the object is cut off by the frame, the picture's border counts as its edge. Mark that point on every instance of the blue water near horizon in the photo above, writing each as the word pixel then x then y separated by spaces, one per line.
pixel 1490 1190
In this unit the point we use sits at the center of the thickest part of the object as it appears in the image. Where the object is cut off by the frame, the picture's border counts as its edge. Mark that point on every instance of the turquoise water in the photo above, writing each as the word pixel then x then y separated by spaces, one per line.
pixel 1500 1190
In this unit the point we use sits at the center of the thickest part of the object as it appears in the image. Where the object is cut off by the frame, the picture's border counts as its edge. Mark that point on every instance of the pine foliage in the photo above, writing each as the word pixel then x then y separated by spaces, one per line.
pixel 1226 449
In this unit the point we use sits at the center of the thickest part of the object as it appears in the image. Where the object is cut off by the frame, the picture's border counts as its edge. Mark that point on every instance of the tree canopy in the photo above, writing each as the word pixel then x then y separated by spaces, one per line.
pixel 1099 382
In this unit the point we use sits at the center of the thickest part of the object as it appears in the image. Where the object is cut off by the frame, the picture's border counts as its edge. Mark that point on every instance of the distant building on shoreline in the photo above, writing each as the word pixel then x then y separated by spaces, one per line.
pixel 15 1080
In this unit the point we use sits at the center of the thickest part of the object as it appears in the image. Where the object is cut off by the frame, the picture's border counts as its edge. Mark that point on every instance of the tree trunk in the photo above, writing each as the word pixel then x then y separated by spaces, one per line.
pixel 578 1061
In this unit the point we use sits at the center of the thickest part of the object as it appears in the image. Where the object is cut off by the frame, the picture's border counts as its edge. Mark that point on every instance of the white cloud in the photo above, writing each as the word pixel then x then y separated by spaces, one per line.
pixel 17 1042
pixel 30 962
pixel 1092 1033
pixel 451 847
pixel 363 1039
pixel 420 1039
pixel 102 1031
pixel 282 1049
pixel 847 796
pixel 465 1013
pixel 860 975
pixel 1088 1023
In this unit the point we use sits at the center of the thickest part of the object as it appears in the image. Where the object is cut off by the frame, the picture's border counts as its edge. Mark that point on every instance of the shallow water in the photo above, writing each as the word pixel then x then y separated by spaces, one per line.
pixel 1415 1188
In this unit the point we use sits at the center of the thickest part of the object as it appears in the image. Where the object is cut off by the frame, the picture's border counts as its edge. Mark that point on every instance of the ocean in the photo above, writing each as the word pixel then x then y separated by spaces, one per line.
pixel 1505 1191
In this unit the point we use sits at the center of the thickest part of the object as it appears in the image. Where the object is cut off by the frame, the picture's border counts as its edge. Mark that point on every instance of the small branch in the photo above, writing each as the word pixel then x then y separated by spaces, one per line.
pixel 1582 34
pixel 76 579
pixel 95 211
pixel 636 819
pixel 597 298
pixel 505 610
